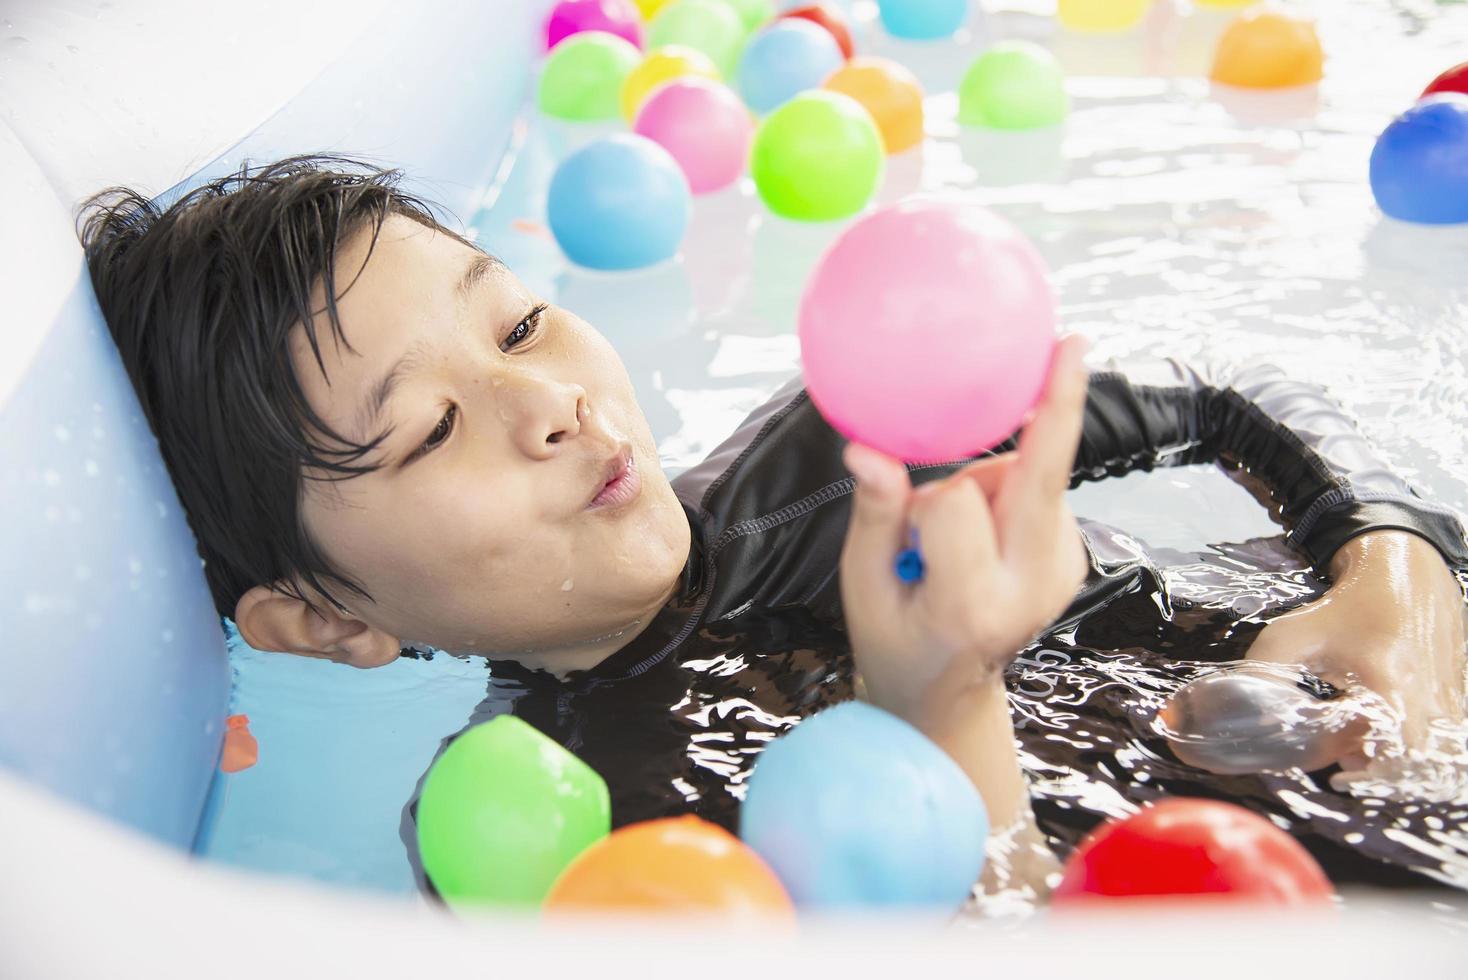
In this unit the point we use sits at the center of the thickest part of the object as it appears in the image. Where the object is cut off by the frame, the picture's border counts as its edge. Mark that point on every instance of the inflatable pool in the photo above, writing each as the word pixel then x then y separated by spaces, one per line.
pixel 1177 218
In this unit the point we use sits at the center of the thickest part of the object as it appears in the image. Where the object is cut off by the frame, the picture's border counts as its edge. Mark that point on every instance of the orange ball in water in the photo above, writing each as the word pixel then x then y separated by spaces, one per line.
pixel 679 864
pixel 1264 49
pixel 890 93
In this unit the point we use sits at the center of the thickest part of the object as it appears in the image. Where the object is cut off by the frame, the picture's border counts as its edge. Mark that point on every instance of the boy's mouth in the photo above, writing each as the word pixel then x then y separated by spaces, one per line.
pixel 622 483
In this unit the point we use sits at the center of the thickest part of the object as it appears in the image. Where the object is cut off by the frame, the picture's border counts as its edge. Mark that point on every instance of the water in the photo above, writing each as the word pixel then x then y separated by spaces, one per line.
pixel 1177 220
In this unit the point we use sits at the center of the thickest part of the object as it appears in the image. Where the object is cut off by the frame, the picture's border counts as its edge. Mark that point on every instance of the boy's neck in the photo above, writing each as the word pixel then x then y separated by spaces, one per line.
pixel 589 654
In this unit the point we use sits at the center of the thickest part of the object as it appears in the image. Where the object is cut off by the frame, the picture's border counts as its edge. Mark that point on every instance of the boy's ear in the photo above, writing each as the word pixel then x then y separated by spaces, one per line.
pixel 269 619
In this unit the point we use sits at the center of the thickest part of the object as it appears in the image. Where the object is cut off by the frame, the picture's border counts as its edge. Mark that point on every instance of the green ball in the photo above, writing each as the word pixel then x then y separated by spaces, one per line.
pixel 753 13
pixel 582 79
pixel 818 157
pixel 1013 85
pixel 503 811
pixel 710 26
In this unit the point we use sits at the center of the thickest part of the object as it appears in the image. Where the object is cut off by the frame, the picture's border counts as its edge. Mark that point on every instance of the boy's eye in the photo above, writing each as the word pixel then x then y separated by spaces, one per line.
pixel 439 434
pixel 524 328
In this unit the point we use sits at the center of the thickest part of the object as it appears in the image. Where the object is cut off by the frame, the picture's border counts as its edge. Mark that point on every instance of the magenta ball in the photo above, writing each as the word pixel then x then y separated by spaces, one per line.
pixel 617 17
pixel 704 126
pixel 927 330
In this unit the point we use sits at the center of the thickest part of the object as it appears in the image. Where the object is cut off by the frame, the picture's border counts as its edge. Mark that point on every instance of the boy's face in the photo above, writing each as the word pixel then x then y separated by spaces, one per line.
pixel 476 532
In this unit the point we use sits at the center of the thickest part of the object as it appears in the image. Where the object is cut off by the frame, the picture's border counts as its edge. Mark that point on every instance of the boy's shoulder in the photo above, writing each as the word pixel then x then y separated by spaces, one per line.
pixel 782 452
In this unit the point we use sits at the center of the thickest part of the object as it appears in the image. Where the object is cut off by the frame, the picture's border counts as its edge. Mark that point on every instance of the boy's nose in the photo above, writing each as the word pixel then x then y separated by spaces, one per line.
pixel 549 412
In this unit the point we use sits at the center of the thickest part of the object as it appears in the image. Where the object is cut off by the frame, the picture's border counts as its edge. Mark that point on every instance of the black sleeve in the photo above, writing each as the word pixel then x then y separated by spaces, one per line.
pixel 1329 483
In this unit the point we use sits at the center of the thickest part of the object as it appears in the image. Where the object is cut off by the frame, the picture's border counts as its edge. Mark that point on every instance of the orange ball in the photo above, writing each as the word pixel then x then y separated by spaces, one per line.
pixel 1264 49
pixel 890 93
pixel 679 864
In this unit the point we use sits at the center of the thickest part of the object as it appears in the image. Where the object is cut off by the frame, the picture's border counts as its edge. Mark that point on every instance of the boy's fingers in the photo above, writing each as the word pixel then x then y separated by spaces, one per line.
pixel 956 532
pixel 878 524
pixel 1048 445
pixel 1047 452
pixel 989 473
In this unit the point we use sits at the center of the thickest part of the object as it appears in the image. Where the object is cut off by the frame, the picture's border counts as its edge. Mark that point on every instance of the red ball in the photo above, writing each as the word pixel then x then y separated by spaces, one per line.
pixel 827 16
pixel 1455 79
pixel 1193 847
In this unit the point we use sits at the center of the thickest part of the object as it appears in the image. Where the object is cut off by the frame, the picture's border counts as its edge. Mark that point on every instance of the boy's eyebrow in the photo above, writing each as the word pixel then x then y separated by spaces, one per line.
pixel 480 267
pixel 377 397
pixel 367 416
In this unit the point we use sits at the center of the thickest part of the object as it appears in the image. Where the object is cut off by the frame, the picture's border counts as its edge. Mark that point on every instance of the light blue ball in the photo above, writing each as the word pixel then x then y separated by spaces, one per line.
pixel 619 203
pixel 922 20
pixel 855 807
pixel 784 60
pixel 1419 168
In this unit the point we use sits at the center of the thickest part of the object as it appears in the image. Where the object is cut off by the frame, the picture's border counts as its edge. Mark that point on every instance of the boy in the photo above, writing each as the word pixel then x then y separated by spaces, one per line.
pixel 381 438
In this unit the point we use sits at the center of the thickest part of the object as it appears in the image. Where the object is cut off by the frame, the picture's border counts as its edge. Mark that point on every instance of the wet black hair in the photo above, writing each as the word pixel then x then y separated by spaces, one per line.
pixel 201 296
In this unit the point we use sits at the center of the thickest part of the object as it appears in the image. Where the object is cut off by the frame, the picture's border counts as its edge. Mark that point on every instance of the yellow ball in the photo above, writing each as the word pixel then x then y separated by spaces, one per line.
pixel 1102 15
pixel 663 65
pixel 650 7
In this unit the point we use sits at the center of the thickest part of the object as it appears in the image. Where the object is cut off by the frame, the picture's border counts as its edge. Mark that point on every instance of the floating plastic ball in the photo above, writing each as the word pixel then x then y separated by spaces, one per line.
pixel 783 60
pixel 754 14
pixel 679 864
pixel 1419 168
pixel 619 203
pixel 1455 79
pixel 503 811
pixel 829 19
pixel 1257 718
pixel 1265 49
pixel 662 65
pixel 650 8
pixel 818 157
pixel 704 126
pixel 1225 3
pixel 1013 85
pixel 583 77
pixel 619 17
pixel 1193 847
pixel 890 93
pixel 710 26
pixel 922 20
pixel 855 807
pixel 927 330
pixel 1102 16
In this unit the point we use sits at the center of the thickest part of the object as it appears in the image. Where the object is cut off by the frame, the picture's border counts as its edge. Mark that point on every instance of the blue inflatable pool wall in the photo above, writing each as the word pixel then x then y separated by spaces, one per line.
pixel 114 683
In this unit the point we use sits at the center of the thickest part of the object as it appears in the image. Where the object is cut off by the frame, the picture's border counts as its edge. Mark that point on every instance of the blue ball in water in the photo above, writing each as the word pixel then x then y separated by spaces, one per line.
pixel 784 60
pixel 1419 168
pixel 619 203
pixel 922 20
pixel 856 807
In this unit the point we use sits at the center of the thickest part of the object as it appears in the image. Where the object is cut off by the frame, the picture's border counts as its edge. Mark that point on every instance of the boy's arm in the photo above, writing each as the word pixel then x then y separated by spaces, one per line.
pixel 1393 617
pixel 1329 483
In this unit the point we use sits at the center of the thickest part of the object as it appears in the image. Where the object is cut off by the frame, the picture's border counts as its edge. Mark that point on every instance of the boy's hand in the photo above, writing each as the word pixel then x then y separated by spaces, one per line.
pixel 1394 620
pixel 1002 553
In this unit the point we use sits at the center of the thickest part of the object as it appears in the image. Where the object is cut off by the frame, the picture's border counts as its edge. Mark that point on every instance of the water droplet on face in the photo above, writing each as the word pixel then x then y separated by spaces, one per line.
pixel 567 585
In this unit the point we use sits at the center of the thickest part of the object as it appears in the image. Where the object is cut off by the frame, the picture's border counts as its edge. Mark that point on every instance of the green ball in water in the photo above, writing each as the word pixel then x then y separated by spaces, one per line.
pixel 1013 85
pixel 503 811
pixel 710 26
pixel 582 78
pixel 818 157
pixel 754 13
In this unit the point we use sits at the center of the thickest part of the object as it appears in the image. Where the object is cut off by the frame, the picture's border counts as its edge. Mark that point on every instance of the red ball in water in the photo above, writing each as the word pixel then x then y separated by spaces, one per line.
pixel 1455 79
pixel 828 17
pixel 1193 847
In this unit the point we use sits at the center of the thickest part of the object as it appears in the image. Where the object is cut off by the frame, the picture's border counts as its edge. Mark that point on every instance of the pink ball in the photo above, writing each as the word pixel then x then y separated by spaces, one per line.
pixel 617 17
pixel 927 330
pixel 704 125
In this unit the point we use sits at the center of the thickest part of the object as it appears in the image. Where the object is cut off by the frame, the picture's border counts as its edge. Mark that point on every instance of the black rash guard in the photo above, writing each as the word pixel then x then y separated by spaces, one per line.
pixel 754 639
